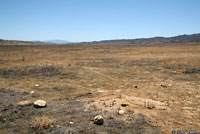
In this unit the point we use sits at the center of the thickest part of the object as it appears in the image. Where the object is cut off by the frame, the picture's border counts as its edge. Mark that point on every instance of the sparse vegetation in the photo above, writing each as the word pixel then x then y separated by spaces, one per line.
pixel 42 122
pixel 80 82
pixel 32 71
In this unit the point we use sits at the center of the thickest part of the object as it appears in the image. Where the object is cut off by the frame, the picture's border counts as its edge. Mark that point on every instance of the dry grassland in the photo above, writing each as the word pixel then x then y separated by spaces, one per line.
pixel 80 82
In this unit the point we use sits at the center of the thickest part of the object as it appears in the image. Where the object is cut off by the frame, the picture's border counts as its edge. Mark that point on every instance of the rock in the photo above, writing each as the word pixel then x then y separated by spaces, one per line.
pixel 37 85
pixel 32 92
pixel 71 123
pixel 124 105
pixel 149 105
pixel 121 112
pixel 135 86
pixel 40 104
pixel 98 120
pixel 170 85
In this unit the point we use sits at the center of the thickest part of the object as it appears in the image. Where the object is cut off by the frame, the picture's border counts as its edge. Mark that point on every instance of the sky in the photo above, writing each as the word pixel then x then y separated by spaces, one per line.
pixel 94 20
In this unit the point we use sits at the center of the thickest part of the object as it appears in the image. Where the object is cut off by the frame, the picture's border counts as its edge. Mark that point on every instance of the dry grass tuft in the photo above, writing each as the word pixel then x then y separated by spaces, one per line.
pixel 42 122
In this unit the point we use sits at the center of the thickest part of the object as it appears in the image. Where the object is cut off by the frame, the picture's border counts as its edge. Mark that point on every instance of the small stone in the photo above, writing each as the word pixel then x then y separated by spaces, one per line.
pixel 37 85
pixel 121 112
pixel 149 105
pixel 170 85
pixel 98 120
pixel 71 123
pixel 135 86
pixel 40 104
pixel 32 92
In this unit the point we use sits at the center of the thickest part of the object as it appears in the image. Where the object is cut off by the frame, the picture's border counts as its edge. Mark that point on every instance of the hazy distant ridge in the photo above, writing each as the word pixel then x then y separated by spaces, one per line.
pixel 58 41
pixel 176 39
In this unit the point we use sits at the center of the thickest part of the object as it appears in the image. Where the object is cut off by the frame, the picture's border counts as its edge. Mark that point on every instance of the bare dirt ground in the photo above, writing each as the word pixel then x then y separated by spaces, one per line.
pixel 80 82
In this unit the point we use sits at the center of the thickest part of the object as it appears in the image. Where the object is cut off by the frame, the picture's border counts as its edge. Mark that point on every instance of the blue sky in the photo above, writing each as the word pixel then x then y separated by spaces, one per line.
pixel 90 20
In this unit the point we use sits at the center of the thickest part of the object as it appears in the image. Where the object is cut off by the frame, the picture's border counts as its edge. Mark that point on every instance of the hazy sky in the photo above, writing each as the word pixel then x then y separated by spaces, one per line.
pixel 89 20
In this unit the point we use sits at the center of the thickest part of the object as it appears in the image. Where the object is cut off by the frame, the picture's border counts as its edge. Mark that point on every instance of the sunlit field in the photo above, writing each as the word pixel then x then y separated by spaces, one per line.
pixel 157 87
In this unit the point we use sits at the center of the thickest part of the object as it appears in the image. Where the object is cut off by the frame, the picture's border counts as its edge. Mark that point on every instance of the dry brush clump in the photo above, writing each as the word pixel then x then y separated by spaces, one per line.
pixel 43 122
pixel 31 71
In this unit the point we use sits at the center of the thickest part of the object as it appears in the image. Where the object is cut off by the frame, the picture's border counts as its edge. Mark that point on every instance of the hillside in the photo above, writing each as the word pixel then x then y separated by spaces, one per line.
pixel 16 42
pixel 176 39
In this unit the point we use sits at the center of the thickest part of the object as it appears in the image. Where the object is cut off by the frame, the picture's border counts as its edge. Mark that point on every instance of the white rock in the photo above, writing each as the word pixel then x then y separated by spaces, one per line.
pixel 98 120
pixel 32 92
pixel 40 104
pixel 37 85
pixel 170 85
pixel 71 123
pixel 121 112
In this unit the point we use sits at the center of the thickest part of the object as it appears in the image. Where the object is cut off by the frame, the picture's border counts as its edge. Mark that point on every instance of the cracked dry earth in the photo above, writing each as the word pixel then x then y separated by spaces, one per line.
pixel 81 82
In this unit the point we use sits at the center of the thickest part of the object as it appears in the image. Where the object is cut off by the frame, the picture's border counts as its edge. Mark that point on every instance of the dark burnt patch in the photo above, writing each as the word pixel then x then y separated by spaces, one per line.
pixel 142 62
pixel 191 71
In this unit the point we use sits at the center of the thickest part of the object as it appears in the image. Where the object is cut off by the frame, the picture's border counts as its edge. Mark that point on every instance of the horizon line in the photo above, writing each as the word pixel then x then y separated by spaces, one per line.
pixel 100 40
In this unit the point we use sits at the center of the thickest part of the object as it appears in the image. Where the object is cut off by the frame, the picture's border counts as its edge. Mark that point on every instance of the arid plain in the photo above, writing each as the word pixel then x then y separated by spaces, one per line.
pixel 156 86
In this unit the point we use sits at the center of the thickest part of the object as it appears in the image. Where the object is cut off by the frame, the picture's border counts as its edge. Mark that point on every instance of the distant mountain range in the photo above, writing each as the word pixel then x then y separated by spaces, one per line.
pixel 176 39
pixel 58 41
pixel 53 41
